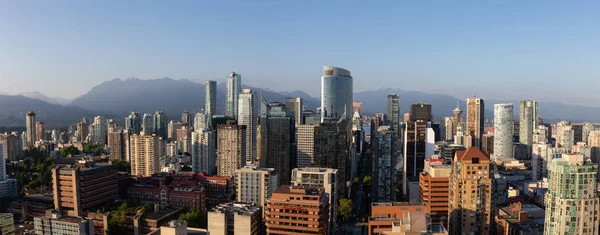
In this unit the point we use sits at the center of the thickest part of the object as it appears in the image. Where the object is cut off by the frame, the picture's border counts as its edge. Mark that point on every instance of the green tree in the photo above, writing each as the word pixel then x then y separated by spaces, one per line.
pixel 186 168
pixel 367 180
pixel 69 151
pixel 121 165
pixel 194 219
pixel 345 208
pixel 356 180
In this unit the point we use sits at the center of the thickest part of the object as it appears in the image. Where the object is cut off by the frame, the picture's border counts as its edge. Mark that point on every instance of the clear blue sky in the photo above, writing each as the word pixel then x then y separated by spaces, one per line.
pixel 545 50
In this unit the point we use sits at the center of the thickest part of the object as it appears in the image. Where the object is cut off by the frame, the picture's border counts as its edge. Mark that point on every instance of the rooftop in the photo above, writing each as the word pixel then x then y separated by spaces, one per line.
pixel 240 208
pixel 471 153
pixel 299 190
pixel 399 204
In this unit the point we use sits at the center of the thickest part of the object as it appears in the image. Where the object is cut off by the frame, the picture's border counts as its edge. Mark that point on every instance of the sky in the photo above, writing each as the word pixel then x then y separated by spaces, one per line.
pixel 545 50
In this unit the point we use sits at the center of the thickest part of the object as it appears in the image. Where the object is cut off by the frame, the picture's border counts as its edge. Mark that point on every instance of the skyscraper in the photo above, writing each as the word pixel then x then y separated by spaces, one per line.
pixel 332 146
pixel 117 144
pixel 133 123
pixel 200 121
pixel 100 130
pixel 419 140
pixel 306 135
pixel 161 124
pixel 393 112
pixel 145 153
pixel 571 202
pixel 255 184
pixel 233 85
pixel 336 93
pixel 277 143
pixel 294 109
pixel 210 101
pixel 248 116
pixel 305 177
pixel 186 118
pixel 31 129
pixel 204 152
pixel 384 163
pixel 503 131
pixel 148 124
pixel 231 148
pixel 527 123
pixel 40 131
pixel 475 119
pixel 470 193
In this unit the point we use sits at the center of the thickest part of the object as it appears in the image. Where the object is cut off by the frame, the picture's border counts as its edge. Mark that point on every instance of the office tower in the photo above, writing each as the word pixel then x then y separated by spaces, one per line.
pixel 148 124
pixel 100 130
pixel 305 136
pixel 235 218
pixel 204 152
pixel 186 118
pixel 210 101
pixel 332 149
pixel 385 215
pixel 487 143
pixel 449 128
pixel 31 129
pixel 572 203
pixel 231 148
pixel 248 116
pixel 161 124
pixel 540 135
pixel 84 187
pixel 277 144
pixel 307 208
pixel 527 123
pixel 435 183
pixel 578 133
pixel 118 145
pixel 421 111
pixel 233 85
pixel 321 178
pixel 112 125
pixel 565 135
pixel 457 119
pixel 587 129
pixel 294 109
pixel 594 139
pixel 393 114
pixel 357 107
pixel 475 119
pixel 336 93
pixel 503 131
pixel 255 184
pixel 53 222
pixel 172 128
pixel 40 131
pixel 145 154
pixel 133 123
pixel 419 140
pixel 470 193
pixel 384 165
pixel 201 122
pixel 11 146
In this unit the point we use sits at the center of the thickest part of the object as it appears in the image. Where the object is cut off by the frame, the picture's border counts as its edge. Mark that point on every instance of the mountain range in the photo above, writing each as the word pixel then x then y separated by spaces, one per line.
pixel 117 97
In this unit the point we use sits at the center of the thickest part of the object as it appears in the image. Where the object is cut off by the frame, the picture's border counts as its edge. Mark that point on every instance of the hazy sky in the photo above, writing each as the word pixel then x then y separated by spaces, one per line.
pixel 547 50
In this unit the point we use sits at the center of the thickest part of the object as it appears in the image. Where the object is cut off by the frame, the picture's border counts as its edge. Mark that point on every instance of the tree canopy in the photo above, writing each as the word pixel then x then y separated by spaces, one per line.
pixel 194 219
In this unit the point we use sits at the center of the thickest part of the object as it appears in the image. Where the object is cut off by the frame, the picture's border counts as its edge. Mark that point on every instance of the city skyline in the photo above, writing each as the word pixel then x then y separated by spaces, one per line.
pixel 457 50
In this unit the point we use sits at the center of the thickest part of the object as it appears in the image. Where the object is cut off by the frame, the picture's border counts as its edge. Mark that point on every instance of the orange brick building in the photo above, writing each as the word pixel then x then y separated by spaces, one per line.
pixel 434 183
pixel 297 210
pixel 383 215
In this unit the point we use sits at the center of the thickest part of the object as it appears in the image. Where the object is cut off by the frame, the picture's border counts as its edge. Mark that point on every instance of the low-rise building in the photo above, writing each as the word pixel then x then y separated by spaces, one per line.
pixel 188 194
pixel 298 210
pixel 235 218
pixel 520 219
pixel 54 223
pixel 384 215
pixel 7 224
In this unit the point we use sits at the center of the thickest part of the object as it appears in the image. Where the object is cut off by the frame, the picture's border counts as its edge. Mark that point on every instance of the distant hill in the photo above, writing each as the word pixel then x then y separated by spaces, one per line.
pixel 13 109
pixel 42 97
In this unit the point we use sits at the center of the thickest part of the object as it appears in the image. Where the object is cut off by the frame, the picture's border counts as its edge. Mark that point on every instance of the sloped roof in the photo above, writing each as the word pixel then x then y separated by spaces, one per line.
pixel 470 153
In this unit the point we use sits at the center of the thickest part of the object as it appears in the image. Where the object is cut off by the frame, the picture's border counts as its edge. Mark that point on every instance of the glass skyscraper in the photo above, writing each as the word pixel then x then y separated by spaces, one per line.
pixel 210 101
pixel 336 93
pixel 233 85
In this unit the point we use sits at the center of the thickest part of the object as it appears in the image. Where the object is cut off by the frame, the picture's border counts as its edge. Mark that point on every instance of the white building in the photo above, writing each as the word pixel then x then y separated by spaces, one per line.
pixel 255 185
pixel 204 152
pixel 248 116
pixel 503 131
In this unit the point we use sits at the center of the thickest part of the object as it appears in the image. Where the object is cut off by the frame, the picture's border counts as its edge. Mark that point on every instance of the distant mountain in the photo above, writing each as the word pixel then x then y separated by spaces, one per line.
pixel 42 97
pixel 14 107
pixel 309 101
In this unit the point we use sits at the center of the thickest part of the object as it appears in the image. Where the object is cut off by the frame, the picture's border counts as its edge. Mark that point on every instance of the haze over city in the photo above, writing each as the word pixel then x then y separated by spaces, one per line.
pixel 530 49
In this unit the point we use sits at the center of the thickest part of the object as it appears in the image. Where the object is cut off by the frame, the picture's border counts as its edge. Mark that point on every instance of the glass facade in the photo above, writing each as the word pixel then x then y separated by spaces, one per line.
pixel 336 93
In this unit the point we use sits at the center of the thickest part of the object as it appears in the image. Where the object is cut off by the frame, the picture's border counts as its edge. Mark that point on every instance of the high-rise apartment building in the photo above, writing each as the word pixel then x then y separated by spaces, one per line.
pixel 384 165
pixel 305 136
pixel 321 178
pixel 145 153
pixel 449 128
pixel 231 148
pixel 470 193
pixel 393 112
pixel 587 129
pixel 336 93
pixel 172 128
pixel 298 210
pixel 434 182
pixel 277 144
pixel 503 131
pixel 475 119
pixel 332 149
pixel 200 121
pixel 100 130
pixel 84 187
pixel 572 203
pixel 11 146
pixel 210 102
pixel 118 145
pixel 233 86
pixel 594 139
pixel 255 185
pixel 565 135
pixel 133 123
pixel 419 140
pixel 235 218
pixel 294 109
pixel 148 124
pixel 31 129
pixel 161 124
pixel 248 116
pixel 204 152
pixel 40 131
pixel 527 122
pixel 186 118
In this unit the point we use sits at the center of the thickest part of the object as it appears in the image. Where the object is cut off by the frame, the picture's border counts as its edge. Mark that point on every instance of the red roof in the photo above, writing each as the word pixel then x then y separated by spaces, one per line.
pixel 470 153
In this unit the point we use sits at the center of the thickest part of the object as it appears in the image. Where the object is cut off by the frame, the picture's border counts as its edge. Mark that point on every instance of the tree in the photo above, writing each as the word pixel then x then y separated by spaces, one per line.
pixel 367 180
pixel 69 151
pixel 121 165
pixel 186 168
pixel 194 219
pixel 345 208
pixel 356 180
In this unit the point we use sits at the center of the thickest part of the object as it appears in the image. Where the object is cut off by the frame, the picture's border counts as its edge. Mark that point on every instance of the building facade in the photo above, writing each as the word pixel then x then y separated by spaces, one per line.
pixel 336 93
pixel 503 131
pixel 145 154
pixel 31 129
pixel 231 148
pixel 475 119
pixel 277 145
pixel 434 183
pixel 298 210
pixel 255 185
pixel 384 165
pixel 248 116
pixel 294 109
pixel 203 152
pixel 233 86
pixel 305 137
pixel 210 102
pixel 235 218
